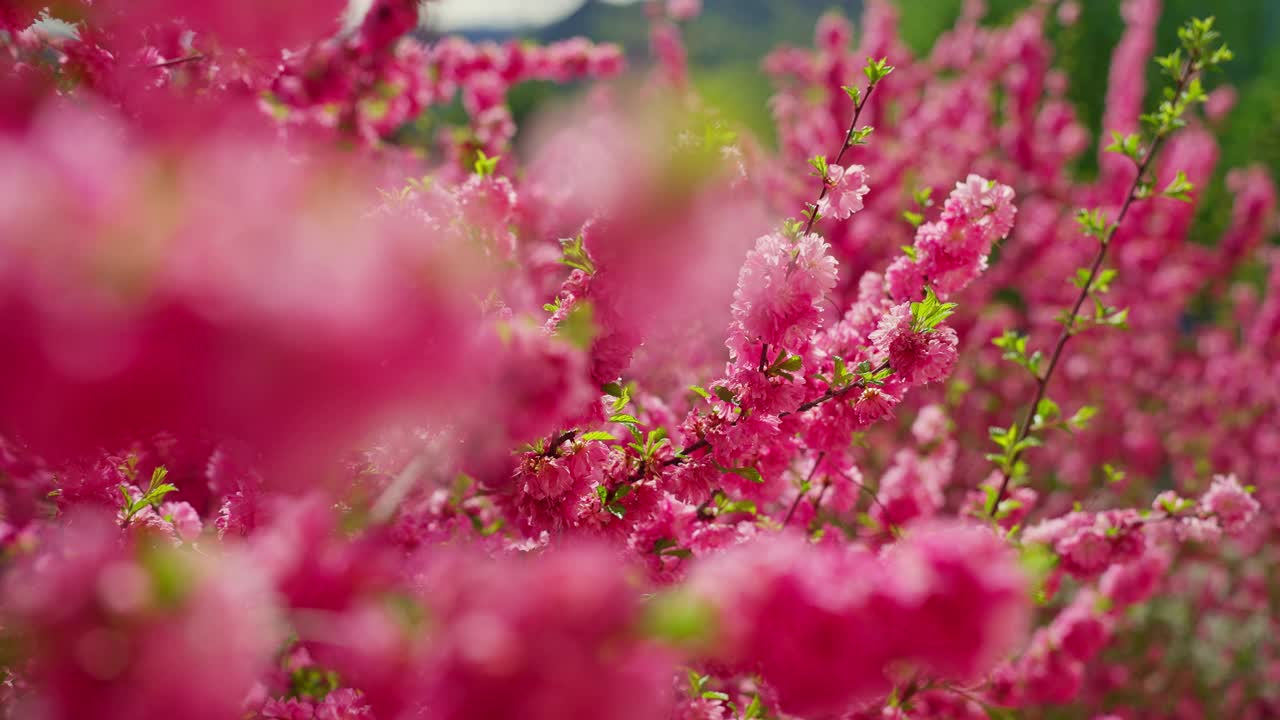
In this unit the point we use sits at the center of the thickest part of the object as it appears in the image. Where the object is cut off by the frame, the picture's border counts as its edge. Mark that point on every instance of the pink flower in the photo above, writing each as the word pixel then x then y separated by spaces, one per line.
pixel 972 607
pixel 846 186
pixel 1087 543
pixel 825 624
pixel 289 709
pixel 917 357
pixel 953 251
pixel 186 521
pixel 343 704
pixel 931 424
pixel 874 404
pixel 543 638
pixel 1082 629
pixel 122 630
pixel 910 490
pixel 1086 552
pixel 781 290
pixel 1231 504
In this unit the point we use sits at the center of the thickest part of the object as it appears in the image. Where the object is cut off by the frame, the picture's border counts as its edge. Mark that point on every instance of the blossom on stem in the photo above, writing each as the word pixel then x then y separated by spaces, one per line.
pixel 846 186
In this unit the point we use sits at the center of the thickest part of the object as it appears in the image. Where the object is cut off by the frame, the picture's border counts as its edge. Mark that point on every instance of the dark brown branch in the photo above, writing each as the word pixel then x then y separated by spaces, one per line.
pixel 177 61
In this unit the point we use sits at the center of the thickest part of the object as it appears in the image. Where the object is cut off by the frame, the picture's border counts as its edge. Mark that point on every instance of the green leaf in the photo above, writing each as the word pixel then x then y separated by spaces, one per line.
pixel 575 255
pixel 624 418
pixel 157 477
pixel 700 391
pixel 724 394
pixel 1102 283
pixel 156 494
pixel 1127 145
pixel 1002 437
pixel 598 435
pixel 1080 420
pixel 860 135
pixel 915 219
pixel 877 70
pixel 991 492
pixel 1046 412
pixel 1093 223
pixel 793 363
pixel 928 314
pixel 1179 188
pixel 749 473
pixel 819 163
pixel 854 93
pixel 1027 443
pixel 696 683
pixel 485 165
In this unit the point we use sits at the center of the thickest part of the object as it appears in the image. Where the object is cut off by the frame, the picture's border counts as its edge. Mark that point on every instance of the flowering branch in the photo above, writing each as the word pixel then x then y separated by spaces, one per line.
pixel 876 70
pixel 1195 36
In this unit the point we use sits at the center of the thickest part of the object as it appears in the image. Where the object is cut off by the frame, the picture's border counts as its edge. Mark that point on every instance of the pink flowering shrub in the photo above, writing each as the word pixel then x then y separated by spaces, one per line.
pixel 618 414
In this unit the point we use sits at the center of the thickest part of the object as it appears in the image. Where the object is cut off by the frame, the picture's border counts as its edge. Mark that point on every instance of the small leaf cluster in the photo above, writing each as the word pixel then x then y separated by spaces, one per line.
pixel 749 473
pixel 156 490
pixel 1183 65
pixel 863 374
pixel 312 682
pixel 924 200
pixel 1048 416
pixel 611 499
pixel 784 365
pixel 877 70
pixel 1014 345
pixel 575 255
pixel 667 547
pixel 722 504
pixel 820 166
pixel 484 165
pixel 1095 285
pixel 929 313
pixel 1011 447
pixel 698 689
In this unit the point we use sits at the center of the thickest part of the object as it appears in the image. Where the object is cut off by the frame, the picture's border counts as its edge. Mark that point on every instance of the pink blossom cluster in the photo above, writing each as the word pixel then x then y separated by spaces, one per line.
pixel 299 420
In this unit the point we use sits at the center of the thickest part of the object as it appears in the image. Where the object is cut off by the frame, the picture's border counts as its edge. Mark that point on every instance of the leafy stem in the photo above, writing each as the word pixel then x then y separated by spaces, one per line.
pixel 876 70
pixel 1195 38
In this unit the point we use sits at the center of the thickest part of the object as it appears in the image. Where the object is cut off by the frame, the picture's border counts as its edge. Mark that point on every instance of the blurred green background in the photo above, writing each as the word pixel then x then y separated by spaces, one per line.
pixel 727 42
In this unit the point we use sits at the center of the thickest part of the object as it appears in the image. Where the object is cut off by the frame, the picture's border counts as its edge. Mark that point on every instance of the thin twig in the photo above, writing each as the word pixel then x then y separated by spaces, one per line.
pixel 1042 381
pixel 801 495
pixel 848 143
pixel 177 61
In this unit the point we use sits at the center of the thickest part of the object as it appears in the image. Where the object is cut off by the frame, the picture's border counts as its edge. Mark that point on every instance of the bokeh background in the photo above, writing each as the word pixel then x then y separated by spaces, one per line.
pixel 727 42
